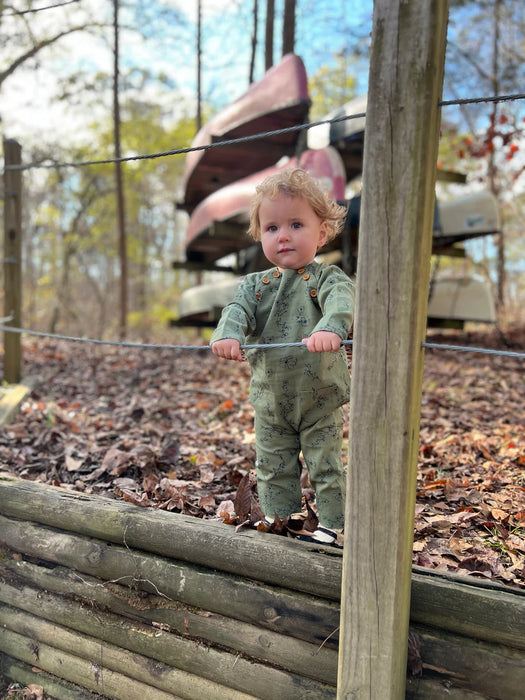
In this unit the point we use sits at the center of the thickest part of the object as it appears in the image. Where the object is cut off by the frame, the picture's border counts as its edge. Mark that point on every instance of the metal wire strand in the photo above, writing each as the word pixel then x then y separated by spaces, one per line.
pixel 16 13
pixel 244 139
pixel 257 346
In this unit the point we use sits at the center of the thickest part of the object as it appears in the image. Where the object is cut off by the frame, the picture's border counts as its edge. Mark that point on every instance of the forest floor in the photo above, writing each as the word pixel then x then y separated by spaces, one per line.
pixel 172 429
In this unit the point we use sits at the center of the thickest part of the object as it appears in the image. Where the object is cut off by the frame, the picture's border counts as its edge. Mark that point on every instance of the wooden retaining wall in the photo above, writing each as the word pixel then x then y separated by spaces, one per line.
pixel 99 598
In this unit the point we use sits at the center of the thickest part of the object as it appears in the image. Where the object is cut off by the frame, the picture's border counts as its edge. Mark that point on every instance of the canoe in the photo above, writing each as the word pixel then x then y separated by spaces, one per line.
pixel 462 299
pixel 469 216
pixel 279 100
pixel 217 226
pixel 453 301
pixel 202 305
pixel 347 135
pixel 345 131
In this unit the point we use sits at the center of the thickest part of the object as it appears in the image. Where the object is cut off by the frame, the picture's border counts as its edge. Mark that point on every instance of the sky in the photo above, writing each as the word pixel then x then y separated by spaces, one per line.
pixel 32 113
pixel 29 104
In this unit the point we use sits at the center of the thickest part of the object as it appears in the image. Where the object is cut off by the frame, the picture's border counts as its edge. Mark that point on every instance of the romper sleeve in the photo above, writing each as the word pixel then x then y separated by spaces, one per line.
pixel 336 301
pixel 238 317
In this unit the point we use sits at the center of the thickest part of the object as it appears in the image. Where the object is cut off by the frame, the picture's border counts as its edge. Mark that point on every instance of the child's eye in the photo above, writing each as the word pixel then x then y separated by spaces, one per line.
pixel 271 227
pixel 296 224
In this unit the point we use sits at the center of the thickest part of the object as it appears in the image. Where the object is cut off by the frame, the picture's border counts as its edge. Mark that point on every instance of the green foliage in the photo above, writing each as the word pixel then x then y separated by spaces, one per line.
pixel 75 243
pixel 331 86
pixel 71 270
pixel 485 139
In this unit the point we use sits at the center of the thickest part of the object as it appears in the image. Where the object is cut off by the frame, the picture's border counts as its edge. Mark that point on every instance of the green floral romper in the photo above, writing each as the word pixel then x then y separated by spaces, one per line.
pixel 297 395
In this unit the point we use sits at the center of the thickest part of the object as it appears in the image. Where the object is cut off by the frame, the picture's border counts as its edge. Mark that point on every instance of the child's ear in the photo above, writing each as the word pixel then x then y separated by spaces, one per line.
pixel 323 233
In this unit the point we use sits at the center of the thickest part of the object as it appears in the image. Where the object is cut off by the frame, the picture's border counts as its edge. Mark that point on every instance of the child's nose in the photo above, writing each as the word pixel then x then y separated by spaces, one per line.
pixel 283 234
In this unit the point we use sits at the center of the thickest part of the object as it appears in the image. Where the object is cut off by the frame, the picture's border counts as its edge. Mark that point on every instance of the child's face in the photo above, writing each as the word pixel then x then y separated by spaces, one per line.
pixel 291 232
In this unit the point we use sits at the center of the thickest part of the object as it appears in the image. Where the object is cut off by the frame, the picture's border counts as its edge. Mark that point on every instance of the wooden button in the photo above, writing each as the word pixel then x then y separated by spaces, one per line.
pixel 265 280
pixel 300 271
pixel 306 276
pixel 313 292
pixel 276 274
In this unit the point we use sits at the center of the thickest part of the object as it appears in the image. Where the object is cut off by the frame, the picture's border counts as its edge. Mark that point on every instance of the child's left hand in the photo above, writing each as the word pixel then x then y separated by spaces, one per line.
pixel 323 341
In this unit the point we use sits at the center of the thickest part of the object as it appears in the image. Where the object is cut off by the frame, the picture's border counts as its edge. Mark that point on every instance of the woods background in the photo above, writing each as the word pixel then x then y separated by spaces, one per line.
pixel 89 81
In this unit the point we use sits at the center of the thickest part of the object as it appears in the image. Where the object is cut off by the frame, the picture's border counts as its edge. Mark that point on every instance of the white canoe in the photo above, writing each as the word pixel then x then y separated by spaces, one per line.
pixel 467 298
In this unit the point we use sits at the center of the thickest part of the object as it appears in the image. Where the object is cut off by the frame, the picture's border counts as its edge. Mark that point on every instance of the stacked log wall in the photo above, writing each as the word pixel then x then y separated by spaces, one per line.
pixel 99 598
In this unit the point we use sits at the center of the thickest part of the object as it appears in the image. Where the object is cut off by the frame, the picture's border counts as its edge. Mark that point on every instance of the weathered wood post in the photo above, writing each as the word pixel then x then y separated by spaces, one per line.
pixel 402 130
pixel 12 260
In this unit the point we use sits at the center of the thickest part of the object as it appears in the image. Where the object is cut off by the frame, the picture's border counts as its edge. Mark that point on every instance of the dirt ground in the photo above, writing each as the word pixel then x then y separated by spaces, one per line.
pixel 172 429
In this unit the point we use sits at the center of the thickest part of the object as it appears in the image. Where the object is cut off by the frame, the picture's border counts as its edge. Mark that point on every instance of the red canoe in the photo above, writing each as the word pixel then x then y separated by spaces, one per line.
pixel 279 100
pixel 218 225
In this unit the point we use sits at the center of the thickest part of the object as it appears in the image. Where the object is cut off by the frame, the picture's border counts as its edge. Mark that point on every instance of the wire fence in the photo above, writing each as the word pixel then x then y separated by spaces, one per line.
pixel 242 139
pixel 257 346
pixel 35 10
pixel 222 144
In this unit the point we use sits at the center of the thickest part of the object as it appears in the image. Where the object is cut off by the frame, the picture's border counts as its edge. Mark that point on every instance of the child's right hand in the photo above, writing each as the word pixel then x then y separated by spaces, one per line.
pixel 228 348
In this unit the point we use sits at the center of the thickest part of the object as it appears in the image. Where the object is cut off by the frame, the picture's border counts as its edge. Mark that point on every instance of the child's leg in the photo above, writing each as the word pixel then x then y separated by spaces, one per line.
pixel 278 467
pixel 321 443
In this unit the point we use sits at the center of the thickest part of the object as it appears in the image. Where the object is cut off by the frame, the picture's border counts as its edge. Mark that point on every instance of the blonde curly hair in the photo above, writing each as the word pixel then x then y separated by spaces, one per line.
pixel 296 182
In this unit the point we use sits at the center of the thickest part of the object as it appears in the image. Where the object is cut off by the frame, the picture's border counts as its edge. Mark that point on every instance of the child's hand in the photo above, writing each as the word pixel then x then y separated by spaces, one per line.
pixel 228 348
pixel 323 341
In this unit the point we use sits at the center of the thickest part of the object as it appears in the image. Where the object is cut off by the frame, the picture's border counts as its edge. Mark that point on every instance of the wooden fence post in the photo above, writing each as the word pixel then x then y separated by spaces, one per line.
pixel 402 131
pixel 12 260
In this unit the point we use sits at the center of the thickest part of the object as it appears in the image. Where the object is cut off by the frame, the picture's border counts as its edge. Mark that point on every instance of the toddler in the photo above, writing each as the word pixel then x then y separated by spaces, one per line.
pixel 297 393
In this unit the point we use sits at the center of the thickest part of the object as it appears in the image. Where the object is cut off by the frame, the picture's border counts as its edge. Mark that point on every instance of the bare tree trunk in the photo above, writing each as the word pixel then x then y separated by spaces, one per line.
pixel 100 294
pixel 268 42
pixel 492 167
pixel 69 251
pixel 122 246
pixel 31 275
pixel 142 282
pixel 254 40
pixel 62 295
pixel 289 26
pixel 199 64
